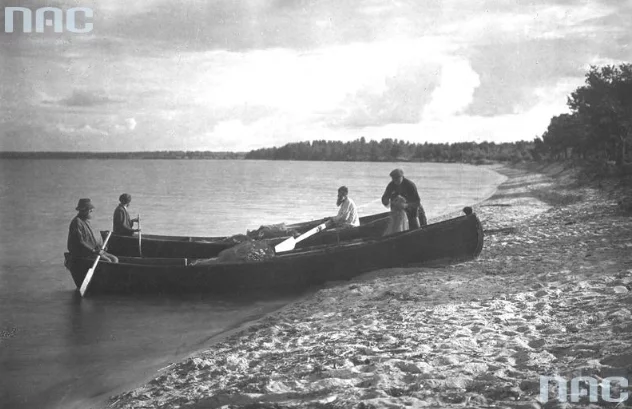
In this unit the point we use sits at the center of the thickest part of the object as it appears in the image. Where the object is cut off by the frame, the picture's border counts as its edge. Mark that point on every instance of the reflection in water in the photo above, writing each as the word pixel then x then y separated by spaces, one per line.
pixel 78 310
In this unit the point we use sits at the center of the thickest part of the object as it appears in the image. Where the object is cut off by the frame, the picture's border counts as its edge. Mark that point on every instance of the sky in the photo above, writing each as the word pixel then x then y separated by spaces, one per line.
pixel 237 75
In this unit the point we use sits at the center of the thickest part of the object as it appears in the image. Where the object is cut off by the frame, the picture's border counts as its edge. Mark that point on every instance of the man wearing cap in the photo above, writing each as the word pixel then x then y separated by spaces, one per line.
pixel 400 186
pixel 348 214
pixel 82 241
pixel 121 220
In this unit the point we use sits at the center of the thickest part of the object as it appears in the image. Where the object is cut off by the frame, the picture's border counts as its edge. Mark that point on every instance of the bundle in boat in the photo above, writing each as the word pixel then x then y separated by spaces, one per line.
pixel 246 251
pixel 235 239
pixel 271 231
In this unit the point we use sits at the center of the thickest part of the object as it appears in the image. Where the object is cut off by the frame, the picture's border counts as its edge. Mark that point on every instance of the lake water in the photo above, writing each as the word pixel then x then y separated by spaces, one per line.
pixel 60 351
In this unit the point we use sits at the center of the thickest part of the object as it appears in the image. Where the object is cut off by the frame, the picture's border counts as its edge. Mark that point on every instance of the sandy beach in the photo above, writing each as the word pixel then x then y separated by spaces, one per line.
pixel 549 294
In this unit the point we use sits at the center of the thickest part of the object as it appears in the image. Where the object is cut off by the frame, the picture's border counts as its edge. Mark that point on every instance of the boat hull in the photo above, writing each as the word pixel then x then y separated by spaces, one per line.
pixel 455 239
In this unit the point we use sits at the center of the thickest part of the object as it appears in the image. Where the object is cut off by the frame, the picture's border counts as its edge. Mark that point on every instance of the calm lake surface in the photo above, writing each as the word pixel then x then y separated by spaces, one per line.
pixel 60 351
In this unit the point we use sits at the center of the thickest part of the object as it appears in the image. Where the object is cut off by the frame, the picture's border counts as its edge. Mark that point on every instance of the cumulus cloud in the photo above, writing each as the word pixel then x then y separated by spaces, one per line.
pixel 400 101
pixel 510 72
pixel 455 91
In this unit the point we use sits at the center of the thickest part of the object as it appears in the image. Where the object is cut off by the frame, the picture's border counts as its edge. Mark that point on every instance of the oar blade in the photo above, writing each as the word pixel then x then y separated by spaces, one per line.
pixel 88 277
pixel 140 243
pixel 86 281
pixel 286 245
pixel 290 243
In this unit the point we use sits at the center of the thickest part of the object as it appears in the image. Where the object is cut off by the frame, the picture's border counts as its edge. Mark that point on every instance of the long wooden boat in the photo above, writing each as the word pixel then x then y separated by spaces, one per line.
pixel 154 246
pixel 460 238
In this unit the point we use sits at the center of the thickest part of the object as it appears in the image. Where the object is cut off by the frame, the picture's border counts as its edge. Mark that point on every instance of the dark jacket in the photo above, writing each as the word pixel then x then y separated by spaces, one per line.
pixel 82 242
pixel 406 189
pixel 122 222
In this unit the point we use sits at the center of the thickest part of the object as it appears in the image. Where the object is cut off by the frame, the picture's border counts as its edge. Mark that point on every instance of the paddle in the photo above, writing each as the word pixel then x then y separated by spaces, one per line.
pixel 86 280
pixel 290 243
pixel 140 248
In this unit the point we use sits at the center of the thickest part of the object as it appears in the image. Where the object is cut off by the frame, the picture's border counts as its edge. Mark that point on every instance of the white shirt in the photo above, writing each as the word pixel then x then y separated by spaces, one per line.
pixel 348 214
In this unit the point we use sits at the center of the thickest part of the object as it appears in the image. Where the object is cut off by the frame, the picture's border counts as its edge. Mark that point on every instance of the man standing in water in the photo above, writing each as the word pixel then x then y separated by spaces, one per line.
pixel 82 242
pixel 400 186
pixel 121 220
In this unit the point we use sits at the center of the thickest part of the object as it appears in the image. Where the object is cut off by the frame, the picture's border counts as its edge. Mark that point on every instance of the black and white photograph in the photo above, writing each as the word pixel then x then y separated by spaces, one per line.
pixel 315 204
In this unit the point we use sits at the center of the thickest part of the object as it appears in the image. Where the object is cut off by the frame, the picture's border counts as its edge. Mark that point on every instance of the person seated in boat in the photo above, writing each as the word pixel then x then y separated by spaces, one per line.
pixel 398 219
pixel 348 214
pixel 82 240
pixel 400 186
pixel 123 224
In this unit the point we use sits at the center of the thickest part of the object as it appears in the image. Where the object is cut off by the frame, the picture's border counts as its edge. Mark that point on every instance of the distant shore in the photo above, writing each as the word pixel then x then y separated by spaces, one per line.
pixel 360 150
pixel 200 155
pixel 549 294
pixel 124 155
pixel 182 155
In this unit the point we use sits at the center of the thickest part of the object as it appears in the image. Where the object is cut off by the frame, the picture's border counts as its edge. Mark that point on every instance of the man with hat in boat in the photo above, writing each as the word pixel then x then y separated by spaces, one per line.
pixel 400 186
pixel 121 220
pixel 82 240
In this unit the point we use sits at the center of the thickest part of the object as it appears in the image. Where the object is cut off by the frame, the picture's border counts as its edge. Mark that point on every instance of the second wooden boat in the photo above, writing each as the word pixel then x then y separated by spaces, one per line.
pixel 206 247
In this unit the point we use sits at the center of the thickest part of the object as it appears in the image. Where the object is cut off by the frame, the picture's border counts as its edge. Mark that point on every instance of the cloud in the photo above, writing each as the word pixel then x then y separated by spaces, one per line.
pixel 245 73
pixel 131 123
pixel 85 130
pixel 80 98
pixel 455 91
pixel 438 87
pixel 509 72
pixel 239 25
pixel 400 101
pixel 128 124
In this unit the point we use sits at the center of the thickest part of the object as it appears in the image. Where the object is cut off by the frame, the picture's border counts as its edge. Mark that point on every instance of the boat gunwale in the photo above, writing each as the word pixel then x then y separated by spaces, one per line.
pixel 224 239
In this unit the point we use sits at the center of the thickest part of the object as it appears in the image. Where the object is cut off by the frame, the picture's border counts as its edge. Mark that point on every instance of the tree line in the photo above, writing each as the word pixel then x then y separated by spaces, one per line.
pixel 390 150
pixel 600 123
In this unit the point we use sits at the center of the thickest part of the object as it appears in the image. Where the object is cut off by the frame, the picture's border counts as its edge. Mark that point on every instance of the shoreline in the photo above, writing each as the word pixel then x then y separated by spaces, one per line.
pixel 475 333
pixel 240 326
pixel 452 214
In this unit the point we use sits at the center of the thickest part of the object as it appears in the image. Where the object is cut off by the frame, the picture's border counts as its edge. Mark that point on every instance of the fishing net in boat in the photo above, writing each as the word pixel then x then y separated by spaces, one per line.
pixel 247 251
pixel 272 231
pixel 237 238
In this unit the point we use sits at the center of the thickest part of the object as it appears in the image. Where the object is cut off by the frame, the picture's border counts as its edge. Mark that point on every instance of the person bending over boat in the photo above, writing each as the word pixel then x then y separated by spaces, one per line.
pixel 400 186
pixel 82 241
pixel 123 225
pixel 348 214
pixel 398 219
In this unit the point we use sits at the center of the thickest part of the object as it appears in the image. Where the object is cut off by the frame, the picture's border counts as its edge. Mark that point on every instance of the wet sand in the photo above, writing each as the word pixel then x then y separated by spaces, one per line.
pixel 549 294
